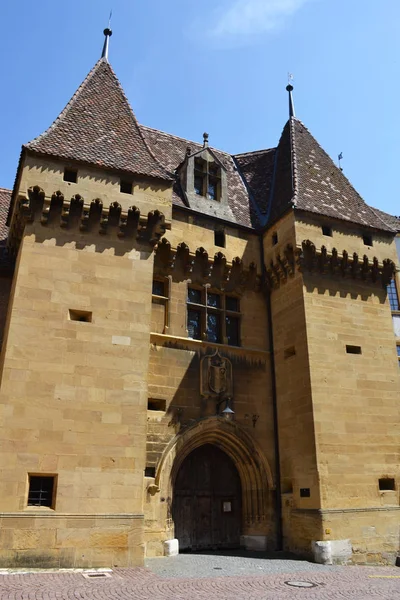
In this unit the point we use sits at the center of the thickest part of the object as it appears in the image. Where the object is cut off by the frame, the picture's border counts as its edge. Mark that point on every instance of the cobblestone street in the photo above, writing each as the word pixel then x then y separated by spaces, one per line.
pixel 210 577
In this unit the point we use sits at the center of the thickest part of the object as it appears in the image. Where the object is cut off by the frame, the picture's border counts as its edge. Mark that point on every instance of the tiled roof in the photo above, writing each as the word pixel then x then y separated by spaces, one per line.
pixel 5 199
pixel 171 152
pixel 308 179
pixel 394 222
pixel 98 127
pixel 258 169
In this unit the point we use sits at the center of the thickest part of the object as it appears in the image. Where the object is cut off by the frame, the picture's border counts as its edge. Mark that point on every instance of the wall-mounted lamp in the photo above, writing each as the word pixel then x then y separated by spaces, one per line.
pixel 227 413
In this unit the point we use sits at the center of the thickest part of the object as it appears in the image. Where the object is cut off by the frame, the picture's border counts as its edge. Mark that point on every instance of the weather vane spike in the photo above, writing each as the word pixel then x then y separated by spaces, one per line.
pixel 289 88
pixel 340 157
pixel 108 33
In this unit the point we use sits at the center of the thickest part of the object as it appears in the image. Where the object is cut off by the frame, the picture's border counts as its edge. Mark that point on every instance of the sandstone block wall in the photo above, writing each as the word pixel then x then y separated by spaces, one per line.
pixel 5 291
pixel 74 397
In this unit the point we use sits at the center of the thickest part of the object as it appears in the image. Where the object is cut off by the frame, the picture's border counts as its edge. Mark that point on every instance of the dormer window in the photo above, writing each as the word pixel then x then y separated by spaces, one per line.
pixel 199 177
pixel 203 176
pixel 207 179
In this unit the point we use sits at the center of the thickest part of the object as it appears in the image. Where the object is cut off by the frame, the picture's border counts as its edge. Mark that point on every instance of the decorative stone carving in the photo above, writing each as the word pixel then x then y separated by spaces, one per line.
pixel 182 264
pixel 308 258
pixel 74 212
pixel 216 378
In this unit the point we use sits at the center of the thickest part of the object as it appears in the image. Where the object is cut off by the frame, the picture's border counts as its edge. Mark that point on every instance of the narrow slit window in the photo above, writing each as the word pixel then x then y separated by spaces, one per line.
pixel 326 230
pixel 156 404
pixel 353 349
pixel 305 493
pixel 219 239
pixel 125 187
pixel 150 472
pixel 70 175
pixel 387 484
pixel 42 490
pixel 84 316
pixel 274 239
pixel 367 239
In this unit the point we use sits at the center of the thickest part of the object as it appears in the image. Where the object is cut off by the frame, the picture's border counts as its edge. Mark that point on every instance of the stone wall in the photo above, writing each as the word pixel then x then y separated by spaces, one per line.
pixel 5 291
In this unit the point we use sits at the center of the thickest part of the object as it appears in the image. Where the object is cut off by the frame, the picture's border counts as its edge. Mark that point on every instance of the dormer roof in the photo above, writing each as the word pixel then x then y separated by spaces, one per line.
pixel 98 127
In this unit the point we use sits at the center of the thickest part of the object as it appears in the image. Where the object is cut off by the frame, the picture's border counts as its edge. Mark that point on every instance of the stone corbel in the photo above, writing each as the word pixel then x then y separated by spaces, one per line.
pixel 75 202
pixel 311 259
pixel 355 267
pixel 200 265
pixel 217 273
pixel 153 489
pixel 375 269
pixel 47 202
pixel 89 212
pixel 388 271
pixel 155 226
pixel 31 204
pixel 344 263
pixel 309 254
pixel 182 258
pixel 365 267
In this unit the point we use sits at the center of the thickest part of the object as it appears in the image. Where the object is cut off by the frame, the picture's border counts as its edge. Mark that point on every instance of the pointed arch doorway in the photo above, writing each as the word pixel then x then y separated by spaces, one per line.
pixel 207 501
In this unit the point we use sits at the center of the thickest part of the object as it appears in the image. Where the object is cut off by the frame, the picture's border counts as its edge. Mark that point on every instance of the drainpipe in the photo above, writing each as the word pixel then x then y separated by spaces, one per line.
pixel 279 529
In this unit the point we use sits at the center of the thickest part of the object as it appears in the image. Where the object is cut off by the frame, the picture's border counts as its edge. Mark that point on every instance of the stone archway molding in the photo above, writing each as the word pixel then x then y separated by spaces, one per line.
pixel 254 470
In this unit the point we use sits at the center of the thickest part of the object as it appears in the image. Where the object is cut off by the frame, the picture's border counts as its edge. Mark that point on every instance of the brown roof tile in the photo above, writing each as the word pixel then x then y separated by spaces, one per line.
pixel 309 180
pixel 5 199
pixel 258 170
pixel 99 127
pixel 391 220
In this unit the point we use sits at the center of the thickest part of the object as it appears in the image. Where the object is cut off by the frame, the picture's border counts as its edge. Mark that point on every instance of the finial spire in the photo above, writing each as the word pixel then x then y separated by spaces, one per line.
pixel 108 33
pixel 205 140
pixel 289 88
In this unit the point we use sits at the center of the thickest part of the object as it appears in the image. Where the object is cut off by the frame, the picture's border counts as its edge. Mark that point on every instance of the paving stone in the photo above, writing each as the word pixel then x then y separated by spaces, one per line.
pixel 209 577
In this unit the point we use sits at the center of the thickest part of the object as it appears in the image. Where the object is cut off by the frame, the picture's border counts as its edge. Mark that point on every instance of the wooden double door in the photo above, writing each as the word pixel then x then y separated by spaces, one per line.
pixel 207 508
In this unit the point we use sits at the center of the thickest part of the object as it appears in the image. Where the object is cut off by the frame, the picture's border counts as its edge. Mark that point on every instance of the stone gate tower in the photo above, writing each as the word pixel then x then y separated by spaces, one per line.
pixel 196 346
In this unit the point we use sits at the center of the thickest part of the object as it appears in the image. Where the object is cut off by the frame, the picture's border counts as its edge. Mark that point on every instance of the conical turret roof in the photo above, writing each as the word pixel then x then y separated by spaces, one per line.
pixel 307 179
pixel 99 127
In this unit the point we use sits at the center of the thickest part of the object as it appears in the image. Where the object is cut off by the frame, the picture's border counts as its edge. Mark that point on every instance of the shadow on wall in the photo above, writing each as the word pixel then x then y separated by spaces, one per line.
pixel 344 287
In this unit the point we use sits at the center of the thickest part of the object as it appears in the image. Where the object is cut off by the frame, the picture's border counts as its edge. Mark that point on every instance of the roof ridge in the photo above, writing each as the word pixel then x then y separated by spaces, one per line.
pixel 358 195
pixel 253 152
pixel 360 203
pixel 293 151
pixel 2 189
pixel 330 158
pixel 66 108
pixel 136 122
pixel 374 210
pixel 177 137
pixel 102 68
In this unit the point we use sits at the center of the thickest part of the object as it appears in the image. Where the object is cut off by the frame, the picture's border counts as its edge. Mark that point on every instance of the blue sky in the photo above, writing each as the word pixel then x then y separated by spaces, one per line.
pixel 219 66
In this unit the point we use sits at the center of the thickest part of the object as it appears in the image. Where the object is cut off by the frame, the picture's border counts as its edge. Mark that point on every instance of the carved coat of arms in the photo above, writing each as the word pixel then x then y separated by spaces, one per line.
pixel 216 376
